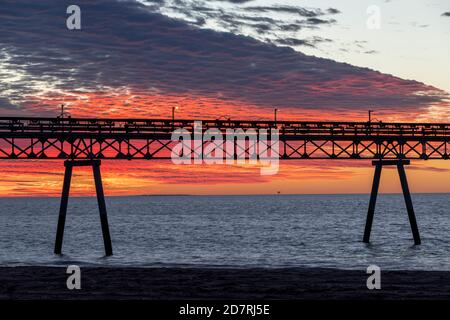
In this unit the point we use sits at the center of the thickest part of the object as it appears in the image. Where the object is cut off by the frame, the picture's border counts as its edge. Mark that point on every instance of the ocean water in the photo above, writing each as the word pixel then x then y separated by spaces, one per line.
pixel 231 231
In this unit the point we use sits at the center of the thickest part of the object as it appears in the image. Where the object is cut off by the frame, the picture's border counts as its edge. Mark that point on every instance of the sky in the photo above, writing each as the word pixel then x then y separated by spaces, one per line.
pixel 412 38
pixel 313 60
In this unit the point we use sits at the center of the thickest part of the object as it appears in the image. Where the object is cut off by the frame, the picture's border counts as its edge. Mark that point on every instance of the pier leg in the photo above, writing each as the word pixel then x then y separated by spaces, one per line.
pixel 408 202
pixel 373 200
pixel 102 208
pixel 69 164
pixel 406 194
pixel 63 207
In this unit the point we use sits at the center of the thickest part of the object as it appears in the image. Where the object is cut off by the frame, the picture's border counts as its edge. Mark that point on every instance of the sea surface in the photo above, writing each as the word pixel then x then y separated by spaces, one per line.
pixel 230 231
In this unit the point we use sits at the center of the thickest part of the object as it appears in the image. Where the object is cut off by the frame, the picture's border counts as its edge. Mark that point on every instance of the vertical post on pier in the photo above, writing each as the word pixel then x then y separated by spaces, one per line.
pixel 63 206
pixel 408 202
pixel 373 200
pixel 102 207
pixel 69 164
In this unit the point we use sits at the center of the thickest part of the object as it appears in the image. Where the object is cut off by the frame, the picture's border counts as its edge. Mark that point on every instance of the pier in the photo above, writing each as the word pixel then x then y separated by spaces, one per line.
pixel 88 141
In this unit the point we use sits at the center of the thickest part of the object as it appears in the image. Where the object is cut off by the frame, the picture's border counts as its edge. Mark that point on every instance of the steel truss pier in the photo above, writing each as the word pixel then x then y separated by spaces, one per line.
pixel 84 141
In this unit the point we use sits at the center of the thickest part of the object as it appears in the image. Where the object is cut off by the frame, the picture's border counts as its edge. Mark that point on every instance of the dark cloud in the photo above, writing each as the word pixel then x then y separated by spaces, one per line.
pixel 258 22
pixel 311 42
pixel 291 27
pixel 316 21
pixel 235 1
pixel 293 42
pixel 288 9
pixel 5 104
pixel 123 44
pixel 333 11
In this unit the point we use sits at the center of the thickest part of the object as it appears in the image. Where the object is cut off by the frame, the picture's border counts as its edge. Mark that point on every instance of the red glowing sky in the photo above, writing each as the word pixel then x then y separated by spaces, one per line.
pixel 149 63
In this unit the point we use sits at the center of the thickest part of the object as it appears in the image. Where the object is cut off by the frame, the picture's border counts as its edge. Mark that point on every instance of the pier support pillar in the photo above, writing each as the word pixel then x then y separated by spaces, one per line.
pixel 406 194
pixel 373 200
pixel 95 164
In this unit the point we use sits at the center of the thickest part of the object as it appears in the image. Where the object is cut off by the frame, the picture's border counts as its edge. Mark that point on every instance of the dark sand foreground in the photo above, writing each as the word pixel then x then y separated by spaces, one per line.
pixel 213 283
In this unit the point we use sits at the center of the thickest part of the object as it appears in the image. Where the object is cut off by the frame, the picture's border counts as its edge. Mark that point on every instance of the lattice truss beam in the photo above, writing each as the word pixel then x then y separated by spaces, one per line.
pixel 113 148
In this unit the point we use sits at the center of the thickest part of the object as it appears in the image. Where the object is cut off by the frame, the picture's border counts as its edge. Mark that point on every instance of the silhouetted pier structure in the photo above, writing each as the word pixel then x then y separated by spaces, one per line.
pixel 85 142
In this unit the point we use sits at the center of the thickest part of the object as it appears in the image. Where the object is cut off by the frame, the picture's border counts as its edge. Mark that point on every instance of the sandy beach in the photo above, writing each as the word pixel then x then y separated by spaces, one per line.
pixel 44 283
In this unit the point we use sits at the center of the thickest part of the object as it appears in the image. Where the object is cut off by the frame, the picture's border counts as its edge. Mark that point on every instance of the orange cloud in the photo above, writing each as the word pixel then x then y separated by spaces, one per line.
pixel 124 103
pixel 44 178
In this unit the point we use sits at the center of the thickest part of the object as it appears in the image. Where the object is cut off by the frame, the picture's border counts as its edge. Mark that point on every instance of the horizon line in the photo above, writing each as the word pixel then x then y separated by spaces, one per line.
pixel 221 195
